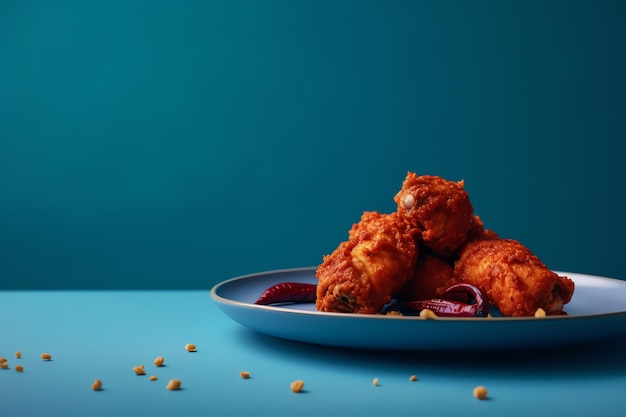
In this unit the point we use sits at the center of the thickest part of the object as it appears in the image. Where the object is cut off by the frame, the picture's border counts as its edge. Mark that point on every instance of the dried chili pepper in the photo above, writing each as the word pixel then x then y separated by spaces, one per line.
pixel 460 300
pixel 449 305
pixel 288 292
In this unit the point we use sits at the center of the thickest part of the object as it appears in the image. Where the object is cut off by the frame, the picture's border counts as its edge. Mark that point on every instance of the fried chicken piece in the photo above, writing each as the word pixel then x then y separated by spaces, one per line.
pixel 512 277
pixel 440 209
pixel 362 273
pixel 433 275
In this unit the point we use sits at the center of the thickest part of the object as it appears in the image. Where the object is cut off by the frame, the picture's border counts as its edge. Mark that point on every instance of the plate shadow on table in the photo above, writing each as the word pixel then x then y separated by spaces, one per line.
pixel 604 356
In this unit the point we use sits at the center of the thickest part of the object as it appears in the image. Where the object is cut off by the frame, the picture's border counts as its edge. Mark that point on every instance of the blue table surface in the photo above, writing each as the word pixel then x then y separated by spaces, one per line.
pixel 93 334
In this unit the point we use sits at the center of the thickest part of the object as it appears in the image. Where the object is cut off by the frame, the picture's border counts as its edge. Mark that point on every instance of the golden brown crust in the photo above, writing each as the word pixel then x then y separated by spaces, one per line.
pixel 363 272
pixel 433 275
pixel 440 209
pixel 434 219
pixel 512 277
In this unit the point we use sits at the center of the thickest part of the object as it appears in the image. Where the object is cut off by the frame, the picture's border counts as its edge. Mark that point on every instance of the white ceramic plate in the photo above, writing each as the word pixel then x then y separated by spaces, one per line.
pixel 597 312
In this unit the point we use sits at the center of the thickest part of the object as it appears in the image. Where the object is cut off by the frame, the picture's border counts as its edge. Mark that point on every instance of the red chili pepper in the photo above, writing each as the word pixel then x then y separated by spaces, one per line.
pixel 449 306
pixel 288 292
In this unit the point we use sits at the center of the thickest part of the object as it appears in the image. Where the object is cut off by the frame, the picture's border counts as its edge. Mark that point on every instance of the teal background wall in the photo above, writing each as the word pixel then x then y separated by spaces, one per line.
pixel 175 144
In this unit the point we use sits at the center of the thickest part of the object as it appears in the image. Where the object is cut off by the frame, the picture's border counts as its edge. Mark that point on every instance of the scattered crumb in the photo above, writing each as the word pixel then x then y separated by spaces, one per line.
pixel 173 385
pixel 97 385
pixel 139 370
pixel 297 386
pixel 428 314
pixel 480 392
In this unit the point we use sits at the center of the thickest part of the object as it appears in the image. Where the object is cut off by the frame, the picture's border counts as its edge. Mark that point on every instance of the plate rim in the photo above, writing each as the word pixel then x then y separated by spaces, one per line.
pixel 223 300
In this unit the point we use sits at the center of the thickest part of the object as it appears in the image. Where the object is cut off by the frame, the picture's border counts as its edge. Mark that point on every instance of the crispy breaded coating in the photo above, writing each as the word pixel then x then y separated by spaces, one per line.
pixel 362 273
pixel 440 209
pixel 431 242
pixel 512 277
pixel 433 275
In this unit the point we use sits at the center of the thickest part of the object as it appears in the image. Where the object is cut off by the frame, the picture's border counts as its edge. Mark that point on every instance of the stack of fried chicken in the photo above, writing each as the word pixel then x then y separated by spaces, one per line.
pixel 433 241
